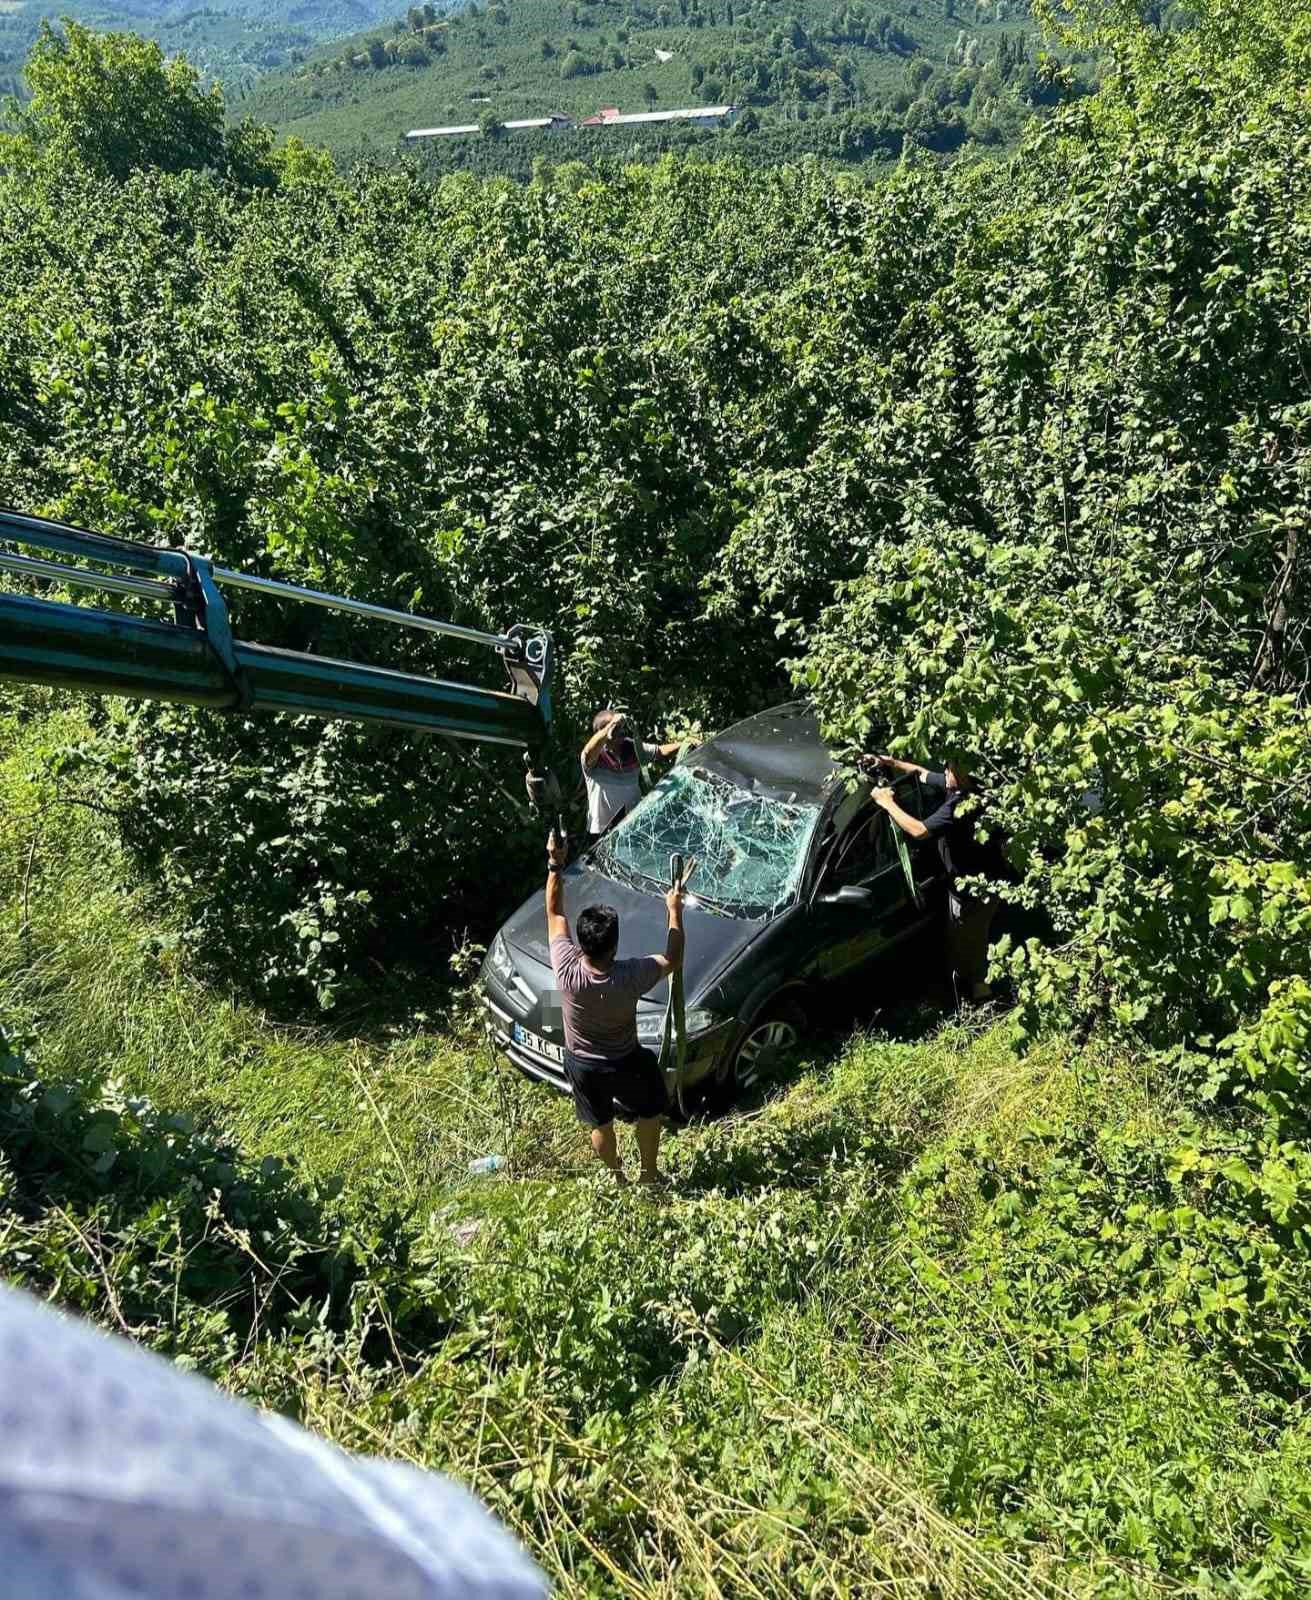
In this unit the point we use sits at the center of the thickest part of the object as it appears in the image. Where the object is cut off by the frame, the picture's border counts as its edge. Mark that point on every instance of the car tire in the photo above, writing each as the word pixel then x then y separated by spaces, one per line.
pixel 777 1028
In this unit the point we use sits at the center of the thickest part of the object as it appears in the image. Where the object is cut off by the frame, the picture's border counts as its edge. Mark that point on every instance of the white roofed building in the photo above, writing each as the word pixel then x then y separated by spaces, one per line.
pixel 607 117
pixel 612 117
pixel 442 133
pixel 550 124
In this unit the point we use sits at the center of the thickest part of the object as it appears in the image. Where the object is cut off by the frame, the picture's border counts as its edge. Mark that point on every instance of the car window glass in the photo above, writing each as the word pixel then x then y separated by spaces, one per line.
pixel 912 796
pixel 861 851
pixel 750 848
pixel 867 846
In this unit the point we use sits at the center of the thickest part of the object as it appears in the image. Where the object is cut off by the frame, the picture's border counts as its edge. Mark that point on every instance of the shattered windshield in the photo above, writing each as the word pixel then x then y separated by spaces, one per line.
pixel 750 849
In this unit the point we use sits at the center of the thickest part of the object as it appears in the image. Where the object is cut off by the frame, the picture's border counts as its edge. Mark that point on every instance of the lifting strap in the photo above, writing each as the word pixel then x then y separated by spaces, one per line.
pixel 673 1037
pixel 903 853
pixel 525 809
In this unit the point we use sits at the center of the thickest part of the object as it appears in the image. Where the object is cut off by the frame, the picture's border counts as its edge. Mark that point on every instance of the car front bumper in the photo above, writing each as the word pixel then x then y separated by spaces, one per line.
pixel 704 1053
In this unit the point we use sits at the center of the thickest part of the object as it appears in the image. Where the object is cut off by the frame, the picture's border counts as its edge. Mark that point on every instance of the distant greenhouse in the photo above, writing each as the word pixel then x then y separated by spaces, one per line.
pixel 551 124
pixel 612 117
pixel 607 117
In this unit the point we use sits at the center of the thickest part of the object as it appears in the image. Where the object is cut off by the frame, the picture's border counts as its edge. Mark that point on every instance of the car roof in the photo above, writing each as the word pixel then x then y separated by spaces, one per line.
pixel 778 753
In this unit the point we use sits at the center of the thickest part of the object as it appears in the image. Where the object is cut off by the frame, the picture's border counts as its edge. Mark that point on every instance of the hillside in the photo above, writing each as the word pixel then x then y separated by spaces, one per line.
pixel 1000 464
pixel 234 41
pixel 942 73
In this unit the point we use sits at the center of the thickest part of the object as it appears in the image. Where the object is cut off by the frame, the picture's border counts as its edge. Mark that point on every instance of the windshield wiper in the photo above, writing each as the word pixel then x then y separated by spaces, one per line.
pixel 726 908
pixel 612 867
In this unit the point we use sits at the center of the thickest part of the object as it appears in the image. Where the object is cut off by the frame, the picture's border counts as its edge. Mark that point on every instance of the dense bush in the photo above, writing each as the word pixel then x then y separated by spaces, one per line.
pixel 936 1314
pixel 1085 565
pixel 124 1212
pixel 1040 429
pixel 1015 464
pixel 486 405
pixel 1088 575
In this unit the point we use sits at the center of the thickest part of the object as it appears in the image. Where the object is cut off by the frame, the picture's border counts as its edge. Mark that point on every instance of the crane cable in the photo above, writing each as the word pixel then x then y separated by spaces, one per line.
pixel 518 805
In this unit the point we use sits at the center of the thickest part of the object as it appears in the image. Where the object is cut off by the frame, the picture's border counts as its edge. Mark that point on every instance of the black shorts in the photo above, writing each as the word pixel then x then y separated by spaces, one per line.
pixel 634 1081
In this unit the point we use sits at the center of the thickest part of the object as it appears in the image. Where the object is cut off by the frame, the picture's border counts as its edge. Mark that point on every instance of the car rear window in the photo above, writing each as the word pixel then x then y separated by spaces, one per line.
pixel 750 848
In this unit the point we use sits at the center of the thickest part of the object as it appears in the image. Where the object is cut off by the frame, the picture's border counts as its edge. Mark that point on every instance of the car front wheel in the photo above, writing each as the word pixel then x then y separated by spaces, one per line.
pixel 771 1035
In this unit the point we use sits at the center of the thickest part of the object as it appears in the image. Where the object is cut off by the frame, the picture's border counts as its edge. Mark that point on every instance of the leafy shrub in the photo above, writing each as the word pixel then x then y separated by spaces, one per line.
pixel 1079 550
pixel 117 1209
pixel 432 398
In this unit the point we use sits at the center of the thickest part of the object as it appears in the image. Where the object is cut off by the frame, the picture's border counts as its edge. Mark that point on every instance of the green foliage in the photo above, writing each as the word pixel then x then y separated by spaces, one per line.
pixel 333 383
pixel 1081 553
pixel 235 44
pixel 974 397
pixel 112 103
pixel 933 1314
pixel 120 1210
pixel 1014 461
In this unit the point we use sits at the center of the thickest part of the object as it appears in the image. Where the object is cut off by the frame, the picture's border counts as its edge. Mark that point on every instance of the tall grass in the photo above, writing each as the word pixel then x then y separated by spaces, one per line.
pixel 792 1380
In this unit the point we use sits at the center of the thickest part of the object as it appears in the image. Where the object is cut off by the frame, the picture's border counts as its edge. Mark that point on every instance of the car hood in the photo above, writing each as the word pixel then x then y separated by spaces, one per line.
pixel 712 939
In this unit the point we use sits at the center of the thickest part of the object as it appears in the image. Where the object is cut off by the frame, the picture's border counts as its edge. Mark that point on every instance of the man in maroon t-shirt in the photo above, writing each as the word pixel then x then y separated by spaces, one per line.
pixel 603 1061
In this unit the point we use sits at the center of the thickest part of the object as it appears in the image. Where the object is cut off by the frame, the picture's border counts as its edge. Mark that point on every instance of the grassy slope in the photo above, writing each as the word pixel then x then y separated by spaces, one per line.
pixel 346 108
pixel 778 1384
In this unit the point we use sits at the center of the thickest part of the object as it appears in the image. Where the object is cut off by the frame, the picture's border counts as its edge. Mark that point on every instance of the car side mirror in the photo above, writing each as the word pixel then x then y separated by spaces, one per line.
pixel 850 894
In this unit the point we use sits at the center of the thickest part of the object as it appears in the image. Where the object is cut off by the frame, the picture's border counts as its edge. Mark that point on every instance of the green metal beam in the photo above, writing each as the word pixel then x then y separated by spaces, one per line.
pixel 64 539
pixel 105 652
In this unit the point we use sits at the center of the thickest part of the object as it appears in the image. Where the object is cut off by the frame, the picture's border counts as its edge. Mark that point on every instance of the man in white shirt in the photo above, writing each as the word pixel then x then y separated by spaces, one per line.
pixel 613 772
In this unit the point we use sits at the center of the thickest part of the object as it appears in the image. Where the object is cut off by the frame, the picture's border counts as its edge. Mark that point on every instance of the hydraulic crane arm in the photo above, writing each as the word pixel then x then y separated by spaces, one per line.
pixel 194 659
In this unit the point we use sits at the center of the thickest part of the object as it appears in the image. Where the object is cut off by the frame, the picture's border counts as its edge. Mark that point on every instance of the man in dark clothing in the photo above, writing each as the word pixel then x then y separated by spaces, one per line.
pixel 969 916
pixel 603 1060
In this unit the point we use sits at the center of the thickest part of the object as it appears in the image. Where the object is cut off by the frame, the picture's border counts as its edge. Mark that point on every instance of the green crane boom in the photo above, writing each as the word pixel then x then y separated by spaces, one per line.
pixel 195 660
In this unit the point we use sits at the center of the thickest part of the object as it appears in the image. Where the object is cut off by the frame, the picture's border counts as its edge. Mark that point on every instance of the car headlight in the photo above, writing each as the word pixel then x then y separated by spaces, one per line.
pixel 651 1024
pixel 498 959
pixel 699 1020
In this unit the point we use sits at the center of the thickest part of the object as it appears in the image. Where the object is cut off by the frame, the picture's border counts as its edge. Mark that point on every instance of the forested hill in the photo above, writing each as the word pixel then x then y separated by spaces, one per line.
pixel 231 40
pixel 853 79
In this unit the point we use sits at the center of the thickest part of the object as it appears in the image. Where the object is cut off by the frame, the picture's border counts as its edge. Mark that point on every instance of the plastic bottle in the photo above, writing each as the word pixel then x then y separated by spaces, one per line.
pixel 484 1166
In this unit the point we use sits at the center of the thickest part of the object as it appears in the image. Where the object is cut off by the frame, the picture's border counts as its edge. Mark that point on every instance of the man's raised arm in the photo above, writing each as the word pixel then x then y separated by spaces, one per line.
pixel 592 749
pixel 873 764
pixel 911 826
pixel 557 924
pixel 673 956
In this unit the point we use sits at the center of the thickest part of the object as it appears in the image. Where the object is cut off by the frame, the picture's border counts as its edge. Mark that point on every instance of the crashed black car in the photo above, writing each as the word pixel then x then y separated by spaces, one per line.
pixel 799 883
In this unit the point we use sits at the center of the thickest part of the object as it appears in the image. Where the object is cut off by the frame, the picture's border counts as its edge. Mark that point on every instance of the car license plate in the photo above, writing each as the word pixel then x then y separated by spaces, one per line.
pixel 534 1041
